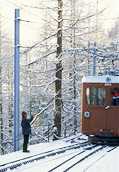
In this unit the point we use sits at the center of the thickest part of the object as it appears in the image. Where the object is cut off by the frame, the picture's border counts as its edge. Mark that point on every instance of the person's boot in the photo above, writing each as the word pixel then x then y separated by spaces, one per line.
pixel 26 151
pixel 25 148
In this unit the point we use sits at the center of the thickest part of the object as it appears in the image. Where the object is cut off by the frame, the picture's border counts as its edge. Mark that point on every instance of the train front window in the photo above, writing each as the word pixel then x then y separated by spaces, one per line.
pixel 96 96
pixel 115 96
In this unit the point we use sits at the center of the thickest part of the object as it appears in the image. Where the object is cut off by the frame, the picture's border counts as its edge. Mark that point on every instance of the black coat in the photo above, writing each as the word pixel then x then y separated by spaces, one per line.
pixel 26 126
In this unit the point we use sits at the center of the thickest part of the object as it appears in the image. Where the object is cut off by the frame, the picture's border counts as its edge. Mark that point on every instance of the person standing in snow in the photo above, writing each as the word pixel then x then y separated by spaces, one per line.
pixel 26 130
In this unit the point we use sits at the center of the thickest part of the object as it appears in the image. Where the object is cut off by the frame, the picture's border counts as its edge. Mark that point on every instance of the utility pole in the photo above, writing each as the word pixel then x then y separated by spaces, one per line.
pixel 97 4
pixel 0 88
pixel 88 60
pixel 58 81
pixel 94 59
pixel 16 80
pixel 96 40
pixel 89 30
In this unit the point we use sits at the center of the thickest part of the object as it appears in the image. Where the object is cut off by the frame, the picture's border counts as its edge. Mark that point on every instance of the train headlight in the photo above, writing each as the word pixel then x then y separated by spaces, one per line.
pixel 87 114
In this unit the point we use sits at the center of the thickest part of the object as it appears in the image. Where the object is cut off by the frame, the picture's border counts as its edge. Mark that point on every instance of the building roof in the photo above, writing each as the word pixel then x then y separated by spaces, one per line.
pixel 108 79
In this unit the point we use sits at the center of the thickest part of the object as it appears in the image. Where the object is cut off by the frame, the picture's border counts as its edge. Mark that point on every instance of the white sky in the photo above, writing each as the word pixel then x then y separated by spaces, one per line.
pixel 7 10
pixel 112 11
pixel 111 5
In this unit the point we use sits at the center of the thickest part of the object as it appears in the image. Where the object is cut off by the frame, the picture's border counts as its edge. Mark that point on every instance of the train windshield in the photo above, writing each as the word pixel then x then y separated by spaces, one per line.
pixel 115 96
pixel 96 96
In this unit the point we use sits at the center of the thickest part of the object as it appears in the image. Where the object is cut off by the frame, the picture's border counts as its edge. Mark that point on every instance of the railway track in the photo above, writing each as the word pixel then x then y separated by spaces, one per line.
pixel 64 159
pixel 17 163
pixel 85 159
pixel 80 156
pixel 97 159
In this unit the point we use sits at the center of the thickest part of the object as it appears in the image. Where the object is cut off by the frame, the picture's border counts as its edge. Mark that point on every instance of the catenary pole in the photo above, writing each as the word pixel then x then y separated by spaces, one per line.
pixel 0 87
pixel 94 59
pixel 16 80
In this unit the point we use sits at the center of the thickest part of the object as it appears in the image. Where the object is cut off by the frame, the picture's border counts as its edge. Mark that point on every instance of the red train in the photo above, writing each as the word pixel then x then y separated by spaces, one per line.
pixel 100 108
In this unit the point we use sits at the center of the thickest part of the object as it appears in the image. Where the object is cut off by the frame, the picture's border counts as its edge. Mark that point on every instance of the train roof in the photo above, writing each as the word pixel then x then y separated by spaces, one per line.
pixel 101 79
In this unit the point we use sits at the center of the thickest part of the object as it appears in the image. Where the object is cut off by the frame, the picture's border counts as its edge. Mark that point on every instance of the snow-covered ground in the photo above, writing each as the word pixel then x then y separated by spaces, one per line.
pixel 102 161
pixel 108 163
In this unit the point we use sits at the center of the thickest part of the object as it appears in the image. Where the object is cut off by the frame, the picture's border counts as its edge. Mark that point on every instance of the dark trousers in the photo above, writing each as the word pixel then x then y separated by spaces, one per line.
pixel 25 143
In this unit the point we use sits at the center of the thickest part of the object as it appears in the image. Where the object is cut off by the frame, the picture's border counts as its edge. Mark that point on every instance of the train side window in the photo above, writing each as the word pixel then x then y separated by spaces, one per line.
pixel 115 96
pixel 96 96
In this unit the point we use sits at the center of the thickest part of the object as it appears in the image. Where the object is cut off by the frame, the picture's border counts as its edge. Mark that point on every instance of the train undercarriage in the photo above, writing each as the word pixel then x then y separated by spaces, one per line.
pixel 104 139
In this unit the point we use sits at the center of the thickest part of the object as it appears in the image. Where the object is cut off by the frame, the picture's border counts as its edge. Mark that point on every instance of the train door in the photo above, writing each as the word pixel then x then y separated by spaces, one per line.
pixel 96 101
pixel 112 111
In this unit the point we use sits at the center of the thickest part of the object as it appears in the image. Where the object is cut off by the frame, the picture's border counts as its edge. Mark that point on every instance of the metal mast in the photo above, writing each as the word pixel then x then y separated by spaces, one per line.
pixel 0 89
pixel 16 80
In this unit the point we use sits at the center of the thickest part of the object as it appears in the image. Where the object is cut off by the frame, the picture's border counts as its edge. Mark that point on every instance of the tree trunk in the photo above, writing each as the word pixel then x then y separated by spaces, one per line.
pixel 58 82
